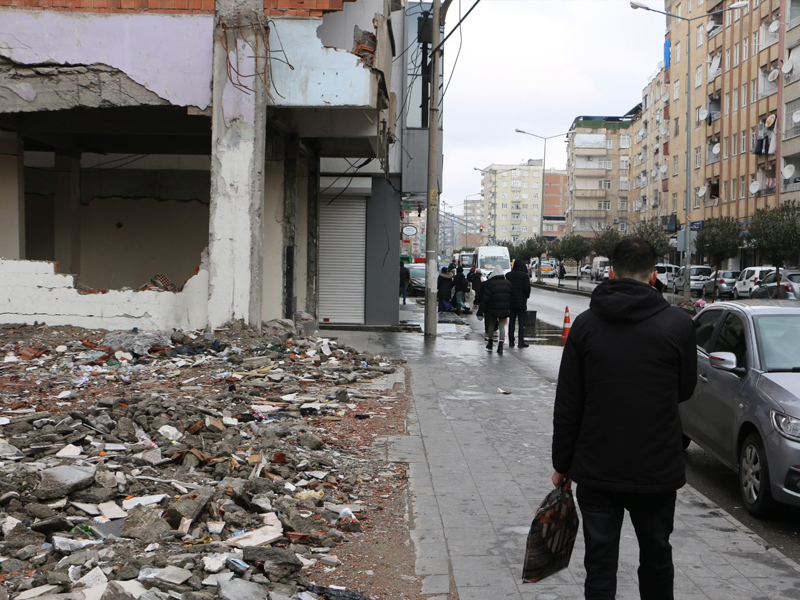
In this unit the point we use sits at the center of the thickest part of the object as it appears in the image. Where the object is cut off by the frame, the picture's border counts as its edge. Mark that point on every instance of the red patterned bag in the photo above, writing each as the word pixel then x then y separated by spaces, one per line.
pixel 552 535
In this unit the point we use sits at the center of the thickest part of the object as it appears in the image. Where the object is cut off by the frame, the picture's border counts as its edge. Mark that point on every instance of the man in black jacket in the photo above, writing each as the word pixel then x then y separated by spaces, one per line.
pixel 628 361
pixel 496 305
pixel 461 287
pixel 444 289
pixel 521 284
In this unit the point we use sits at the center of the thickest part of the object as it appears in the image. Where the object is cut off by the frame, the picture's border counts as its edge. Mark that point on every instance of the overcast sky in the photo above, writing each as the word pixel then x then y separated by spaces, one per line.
pixel 536 65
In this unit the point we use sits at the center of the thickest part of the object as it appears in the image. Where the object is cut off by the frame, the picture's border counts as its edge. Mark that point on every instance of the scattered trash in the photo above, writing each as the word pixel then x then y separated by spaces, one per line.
pixel 502 391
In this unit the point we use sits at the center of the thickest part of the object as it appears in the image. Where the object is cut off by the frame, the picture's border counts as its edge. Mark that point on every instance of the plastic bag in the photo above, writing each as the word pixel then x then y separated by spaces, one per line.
pixel 552 535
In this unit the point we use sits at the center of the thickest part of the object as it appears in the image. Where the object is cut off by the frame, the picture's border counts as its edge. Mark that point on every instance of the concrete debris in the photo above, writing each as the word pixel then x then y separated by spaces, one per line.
pixel 191 465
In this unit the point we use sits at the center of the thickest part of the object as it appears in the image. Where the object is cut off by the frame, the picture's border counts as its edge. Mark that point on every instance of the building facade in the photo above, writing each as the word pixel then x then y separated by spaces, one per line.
pixel 512 197
pixel 598 174
pixel 554 220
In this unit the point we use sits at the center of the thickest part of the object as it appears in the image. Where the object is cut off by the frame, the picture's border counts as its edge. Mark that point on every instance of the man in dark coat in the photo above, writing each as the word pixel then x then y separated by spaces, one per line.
pixel 405 278
pixel 474 279
pixel 496 305
pixel 461 287
pixel 628 361
pixel 521 284
pixel 444 289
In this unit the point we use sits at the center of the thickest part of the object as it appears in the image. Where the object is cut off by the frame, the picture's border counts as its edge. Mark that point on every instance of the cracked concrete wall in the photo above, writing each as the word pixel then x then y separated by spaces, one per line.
pixel 40 294
pixel 166 57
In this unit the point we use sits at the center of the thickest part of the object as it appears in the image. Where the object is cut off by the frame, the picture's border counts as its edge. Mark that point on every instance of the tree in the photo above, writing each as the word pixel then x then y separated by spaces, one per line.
pixel 606 241
pixel 775 234
pixel 653 233
pixel 720 240
pixel 575 247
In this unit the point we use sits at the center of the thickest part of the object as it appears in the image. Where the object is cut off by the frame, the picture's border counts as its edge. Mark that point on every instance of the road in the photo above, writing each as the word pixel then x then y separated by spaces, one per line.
pixel 703 472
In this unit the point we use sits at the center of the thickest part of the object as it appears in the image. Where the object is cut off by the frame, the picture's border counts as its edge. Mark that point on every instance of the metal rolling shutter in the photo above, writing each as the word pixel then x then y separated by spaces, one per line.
pixel 342 260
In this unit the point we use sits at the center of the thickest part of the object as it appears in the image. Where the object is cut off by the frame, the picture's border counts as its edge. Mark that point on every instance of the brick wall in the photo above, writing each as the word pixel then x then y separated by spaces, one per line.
pixel 273 8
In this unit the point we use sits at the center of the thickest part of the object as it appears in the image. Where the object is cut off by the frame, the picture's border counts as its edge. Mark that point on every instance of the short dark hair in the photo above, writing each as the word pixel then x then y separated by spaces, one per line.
pixel 460 270
pixel 634 258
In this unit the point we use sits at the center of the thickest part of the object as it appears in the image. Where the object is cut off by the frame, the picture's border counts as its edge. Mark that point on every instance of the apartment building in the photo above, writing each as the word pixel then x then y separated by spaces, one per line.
pixel 739 79
pixel 598 173
pixel 475 214
pixel 554 220
pixel 789 116
pixel 512 197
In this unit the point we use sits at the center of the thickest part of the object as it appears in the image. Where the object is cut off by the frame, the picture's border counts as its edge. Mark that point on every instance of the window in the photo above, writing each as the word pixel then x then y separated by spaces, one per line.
pixel 677 125
pixel 701 35
pixel 525 184
pixel 753 92
pixel 535 195
pixel 504 195
pixel 505 217
pixel 728 19
pixel 743 148
pixel 755 43
pixel 697 157
pixel 752 137
pixel 604 184
pixel 524 206
pixel 624 184
pixel 724 191
pixel 524 196
pixel 515 173
pixel 705 325
pixel 623 206
pixel 744 94
pixel 725 147
pixel 504 205
pixel 734 144
pixel 625 140
pixel 735 100
pixel 678 10
pixel 697 197
pixel 727 103
pixel 604 204
pixel 609 144
pixel 524 228
pixel 675 165
pixel 505 184
pixel 698 76
pixel 624 162
pixel 675 202
pixel 742 188
pixel 516 195
pixel 736 49
pixel 524 217
pixel 505 228
pixel 745 48
pixel 676 54
pixel 604 164
pixel 676 89
pixel 505 173
pixel 728 58
pixel 515 183
pixel 732 338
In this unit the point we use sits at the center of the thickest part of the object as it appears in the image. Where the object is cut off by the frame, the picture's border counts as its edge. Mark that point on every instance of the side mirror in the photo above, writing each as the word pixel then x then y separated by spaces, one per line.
pixel 725 361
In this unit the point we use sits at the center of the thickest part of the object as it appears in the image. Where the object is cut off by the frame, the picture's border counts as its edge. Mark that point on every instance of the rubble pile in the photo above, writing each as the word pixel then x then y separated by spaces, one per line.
pixel 182 466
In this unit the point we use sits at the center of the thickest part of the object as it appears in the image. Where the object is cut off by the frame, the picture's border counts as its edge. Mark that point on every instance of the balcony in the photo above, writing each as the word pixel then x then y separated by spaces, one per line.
pixel 589 151
pixel 791 187
pixel 590 193
pixel 715 32
pixel 589 172
pixel 791 133
pixel 711 158
pixel 589 214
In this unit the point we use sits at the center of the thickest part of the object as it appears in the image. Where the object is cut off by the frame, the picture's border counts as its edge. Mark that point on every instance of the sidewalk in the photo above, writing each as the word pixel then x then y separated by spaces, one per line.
pixel 480 466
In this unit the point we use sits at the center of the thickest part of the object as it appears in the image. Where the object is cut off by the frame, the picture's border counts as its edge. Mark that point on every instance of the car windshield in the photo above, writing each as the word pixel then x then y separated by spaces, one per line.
pixel 700 271
pixel 729 274
pixel 466 260
pixel 661 269
pixel 417 272
pixel 490 262
pixel 779 342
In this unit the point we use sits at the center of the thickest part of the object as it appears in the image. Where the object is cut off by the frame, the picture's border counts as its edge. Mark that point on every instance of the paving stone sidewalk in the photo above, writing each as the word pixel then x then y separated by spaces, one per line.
pixel 480 466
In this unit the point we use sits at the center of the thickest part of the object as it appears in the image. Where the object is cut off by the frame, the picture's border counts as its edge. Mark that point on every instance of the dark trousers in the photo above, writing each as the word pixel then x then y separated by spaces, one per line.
pixel 517 314
pixel 652 516
pixel 403 288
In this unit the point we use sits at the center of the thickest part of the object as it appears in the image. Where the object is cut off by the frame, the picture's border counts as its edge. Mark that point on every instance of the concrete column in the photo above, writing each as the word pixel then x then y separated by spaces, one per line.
pixel 238 134
pixel 12 197
pixel 312 239
pixel 67 230
pixel 290 196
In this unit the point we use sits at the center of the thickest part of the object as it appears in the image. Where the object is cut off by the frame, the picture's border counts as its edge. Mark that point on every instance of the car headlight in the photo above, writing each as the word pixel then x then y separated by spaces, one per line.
pixel 785 425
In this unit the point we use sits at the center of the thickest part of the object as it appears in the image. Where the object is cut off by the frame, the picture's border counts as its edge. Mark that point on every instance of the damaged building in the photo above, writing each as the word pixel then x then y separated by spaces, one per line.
pixel 182 163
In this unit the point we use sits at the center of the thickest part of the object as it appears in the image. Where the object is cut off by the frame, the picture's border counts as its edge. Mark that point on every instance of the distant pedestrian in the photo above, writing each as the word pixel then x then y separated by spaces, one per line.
pixel 444 290
pixel 562 273
pixel 495 305
pixel 405 278
pixel 461 286
pixel 521 284
pixel 474 279
pixel 628 361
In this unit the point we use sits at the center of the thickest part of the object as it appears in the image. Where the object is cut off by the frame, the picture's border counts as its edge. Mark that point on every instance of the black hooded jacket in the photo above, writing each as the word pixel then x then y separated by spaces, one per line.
pixel 521 284
pixel 628 361
pixel 495 297
pixel 460 283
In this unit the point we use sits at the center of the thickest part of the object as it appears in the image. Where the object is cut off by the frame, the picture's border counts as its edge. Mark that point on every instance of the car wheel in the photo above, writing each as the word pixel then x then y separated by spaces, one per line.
pixel 735 294
pixel 674 288
pixel 754 482
pixel 686 441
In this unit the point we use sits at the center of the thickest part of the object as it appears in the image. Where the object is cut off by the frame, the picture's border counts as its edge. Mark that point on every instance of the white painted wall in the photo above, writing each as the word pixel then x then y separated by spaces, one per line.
pixel 272 307
pixel 38 294
pixel 170 55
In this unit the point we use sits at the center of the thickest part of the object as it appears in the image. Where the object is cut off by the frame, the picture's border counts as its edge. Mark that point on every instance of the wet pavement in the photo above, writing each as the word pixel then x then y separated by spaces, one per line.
pixel 480 465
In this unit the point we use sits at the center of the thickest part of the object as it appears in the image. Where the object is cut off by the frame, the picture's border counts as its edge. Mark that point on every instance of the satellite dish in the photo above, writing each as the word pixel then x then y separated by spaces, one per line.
pixel 665 97
pixel 771 121
pixel 703 114
pixel 571 188
pixel 664 168
pixel 787 67
pixel 710 25
pixel 774 26
pixel 702 191
pixel 654 174
pixel 754 187
pixel 663 130
pixel 796 116
pixel 773 75
pixel 787 171
pixel 715 148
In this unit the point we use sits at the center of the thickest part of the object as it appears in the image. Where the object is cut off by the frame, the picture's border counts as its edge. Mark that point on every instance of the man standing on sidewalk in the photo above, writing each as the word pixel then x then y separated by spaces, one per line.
pixel 628 361
pixel 496 305
pixel 521 283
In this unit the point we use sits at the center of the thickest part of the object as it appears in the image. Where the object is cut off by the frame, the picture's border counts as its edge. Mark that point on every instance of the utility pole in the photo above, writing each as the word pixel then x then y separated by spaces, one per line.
pixel 432 211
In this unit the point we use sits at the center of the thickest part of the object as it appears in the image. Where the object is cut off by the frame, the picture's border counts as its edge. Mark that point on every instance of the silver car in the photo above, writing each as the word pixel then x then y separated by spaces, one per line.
pixel 698 276
pixel 746 408
pixel 768 287
pixel 724 281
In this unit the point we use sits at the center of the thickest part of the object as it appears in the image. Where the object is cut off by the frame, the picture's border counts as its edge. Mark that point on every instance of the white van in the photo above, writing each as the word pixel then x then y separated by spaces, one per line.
pixel 488 257
pixel 599 263
pixel 667 273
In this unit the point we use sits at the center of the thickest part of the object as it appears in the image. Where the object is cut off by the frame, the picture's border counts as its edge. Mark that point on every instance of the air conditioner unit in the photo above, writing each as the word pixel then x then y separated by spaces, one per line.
pixel 589 159
pixel 616 221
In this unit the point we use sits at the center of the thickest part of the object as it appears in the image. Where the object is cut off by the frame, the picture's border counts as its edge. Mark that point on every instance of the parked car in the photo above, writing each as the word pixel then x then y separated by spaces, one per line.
pixel 549 267
pixel 606 274
pixel 768 287
pixel 724 281
pixel 748 279
pixel 667 273
pixel 698 276
pixel 586 270
pixel 745 410
pixel 417 284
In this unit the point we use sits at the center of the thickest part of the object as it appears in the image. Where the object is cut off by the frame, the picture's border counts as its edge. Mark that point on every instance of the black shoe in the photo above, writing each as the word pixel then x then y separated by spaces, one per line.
pixel 511 343
pixel 489 344
pixel 523 345
pixel 500 347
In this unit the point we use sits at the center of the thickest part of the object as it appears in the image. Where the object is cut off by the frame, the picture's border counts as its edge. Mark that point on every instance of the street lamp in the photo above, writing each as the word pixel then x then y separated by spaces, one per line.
pixel 635 4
